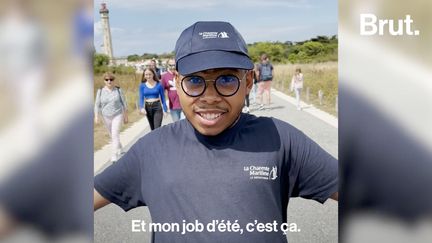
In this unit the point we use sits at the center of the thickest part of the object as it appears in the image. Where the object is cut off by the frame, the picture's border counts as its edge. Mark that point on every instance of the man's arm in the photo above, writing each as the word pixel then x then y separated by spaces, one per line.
pixel 167 99
pixel 99 201
pixel 335 196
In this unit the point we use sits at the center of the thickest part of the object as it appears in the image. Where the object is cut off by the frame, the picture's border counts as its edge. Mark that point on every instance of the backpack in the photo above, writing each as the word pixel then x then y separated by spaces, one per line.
pixel 266 72
pixel 118 91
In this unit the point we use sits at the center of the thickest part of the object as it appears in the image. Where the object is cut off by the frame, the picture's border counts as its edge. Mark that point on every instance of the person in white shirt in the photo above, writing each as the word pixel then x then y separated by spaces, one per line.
pixel 111 104
pixel 297 85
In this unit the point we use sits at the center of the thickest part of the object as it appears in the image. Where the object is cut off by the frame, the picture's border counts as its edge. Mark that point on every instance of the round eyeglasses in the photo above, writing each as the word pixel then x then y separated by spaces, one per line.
pixel 225 85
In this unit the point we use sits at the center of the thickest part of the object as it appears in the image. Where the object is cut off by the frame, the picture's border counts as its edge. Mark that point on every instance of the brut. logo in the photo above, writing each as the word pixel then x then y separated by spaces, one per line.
pixel 371 25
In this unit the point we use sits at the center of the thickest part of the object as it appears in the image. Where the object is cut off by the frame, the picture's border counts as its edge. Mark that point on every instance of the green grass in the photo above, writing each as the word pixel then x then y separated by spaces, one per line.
pixel 319 76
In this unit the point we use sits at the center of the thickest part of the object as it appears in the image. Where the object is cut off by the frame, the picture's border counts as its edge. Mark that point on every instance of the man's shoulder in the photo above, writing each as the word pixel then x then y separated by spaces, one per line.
pixel 267 123
pixel 264 134
pixel 164 133
pixel 283 125
pixel 263 119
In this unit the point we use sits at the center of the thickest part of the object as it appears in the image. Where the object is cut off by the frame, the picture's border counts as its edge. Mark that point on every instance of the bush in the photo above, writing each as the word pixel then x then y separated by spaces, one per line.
pixel 100 63
pixel 319 49
pixel 311 48
pixel 100 60
pixel 122 69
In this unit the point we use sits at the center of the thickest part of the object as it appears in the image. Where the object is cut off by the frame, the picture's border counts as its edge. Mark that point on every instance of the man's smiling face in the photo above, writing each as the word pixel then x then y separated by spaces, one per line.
pixel 211 113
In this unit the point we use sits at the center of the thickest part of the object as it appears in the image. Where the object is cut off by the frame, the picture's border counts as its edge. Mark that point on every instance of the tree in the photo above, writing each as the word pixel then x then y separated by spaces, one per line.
pixel 100 63
pixel 312 48
pixel 100 60
pixel 321 38
pixel 133 58
pixel 288 43
pixel 149 56
pixel 274 50
pixel 167 55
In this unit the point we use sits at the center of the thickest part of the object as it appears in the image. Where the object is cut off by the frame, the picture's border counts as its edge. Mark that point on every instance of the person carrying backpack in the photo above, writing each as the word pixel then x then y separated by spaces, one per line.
pixel 265 77
pixel 111 104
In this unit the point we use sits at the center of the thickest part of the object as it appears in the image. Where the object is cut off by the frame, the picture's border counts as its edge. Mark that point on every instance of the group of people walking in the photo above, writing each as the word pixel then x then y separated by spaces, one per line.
pixel 111 103
pixel 263 77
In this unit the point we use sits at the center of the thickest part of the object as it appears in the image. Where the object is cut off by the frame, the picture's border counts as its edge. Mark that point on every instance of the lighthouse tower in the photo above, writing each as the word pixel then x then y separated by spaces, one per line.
pixel 107 42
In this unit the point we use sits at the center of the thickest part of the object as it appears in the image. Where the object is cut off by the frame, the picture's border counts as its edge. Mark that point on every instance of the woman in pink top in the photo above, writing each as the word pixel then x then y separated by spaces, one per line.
pixel 168 82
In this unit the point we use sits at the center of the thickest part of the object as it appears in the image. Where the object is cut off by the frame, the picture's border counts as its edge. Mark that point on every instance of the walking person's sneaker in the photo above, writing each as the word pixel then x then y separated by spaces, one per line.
pixel 261 107
pixel 120 152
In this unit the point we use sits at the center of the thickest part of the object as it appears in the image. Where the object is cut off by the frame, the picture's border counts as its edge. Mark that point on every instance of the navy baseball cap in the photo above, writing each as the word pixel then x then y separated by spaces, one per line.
pixel 209 45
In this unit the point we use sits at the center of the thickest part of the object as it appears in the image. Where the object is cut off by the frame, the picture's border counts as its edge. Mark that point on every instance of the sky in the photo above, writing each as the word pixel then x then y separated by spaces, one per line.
pixel 144 26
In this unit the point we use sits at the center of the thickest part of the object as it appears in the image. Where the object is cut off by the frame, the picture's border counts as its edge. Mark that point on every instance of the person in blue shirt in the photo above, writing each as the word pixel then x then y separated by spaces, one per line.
pixel 151 95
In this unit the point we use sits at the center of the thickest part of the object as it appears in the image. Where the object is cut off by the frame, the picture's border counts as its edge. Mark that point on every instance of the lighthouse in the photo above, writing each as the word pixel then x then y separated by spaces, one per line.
pixel 107 42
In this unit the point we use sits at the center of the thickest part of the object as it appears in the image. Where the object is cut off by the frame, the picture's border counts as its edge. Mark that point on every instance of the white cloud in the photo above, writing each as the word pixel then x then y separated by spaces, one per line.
pixel 117 30
pixel 137 42
pixel 272 33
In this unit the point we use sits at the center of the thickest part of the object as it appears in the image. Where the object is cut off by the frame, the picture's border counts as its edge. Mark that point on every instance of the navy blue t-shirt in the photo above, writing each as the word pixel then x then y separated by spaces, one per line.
pixel 246 173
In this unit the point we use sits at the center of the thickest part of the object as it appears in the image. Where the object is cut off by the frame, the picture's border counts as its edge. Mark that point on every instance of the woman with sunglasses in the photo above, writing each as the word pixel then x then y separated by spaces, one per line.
pixel 151 95
pixel 111 103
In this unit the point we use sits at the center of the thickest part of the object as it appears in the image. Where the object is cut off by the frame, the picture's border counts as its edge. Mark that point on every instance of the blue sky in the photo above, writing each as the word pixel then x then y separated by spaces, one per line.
pixel 144 26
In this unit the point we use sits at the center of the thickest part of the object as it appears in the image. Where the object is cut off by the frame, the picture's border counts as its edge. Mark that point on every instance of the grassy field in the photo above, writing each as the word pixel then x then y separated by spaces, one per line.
pixel 319 76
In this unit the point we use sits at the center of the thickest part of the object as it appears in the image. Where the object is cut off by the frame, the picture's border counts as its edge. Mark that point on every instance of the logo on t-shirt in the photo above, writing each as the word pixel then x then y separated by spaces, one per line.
pixel 171 84
pixel 273 173
pixel 261 172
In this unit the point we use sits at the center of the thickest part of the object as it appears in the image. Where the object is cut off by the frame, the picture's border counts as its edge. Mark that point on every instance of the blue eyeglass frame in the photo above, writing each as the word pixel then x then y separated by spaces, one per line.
pixel 214 83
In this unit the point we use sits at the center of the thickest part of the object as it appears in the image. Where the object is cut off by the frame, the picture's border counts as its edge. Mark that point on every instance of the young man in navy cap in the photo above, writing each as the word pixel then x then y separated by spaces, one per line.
pixel 227 165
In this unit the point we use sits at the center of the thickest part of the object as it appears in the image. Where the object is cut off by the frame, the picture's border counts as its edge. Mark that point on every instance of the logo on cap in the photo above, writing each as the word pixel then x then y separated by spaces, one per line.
pixel 223 35
pixel 209 45
pixel 213 35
